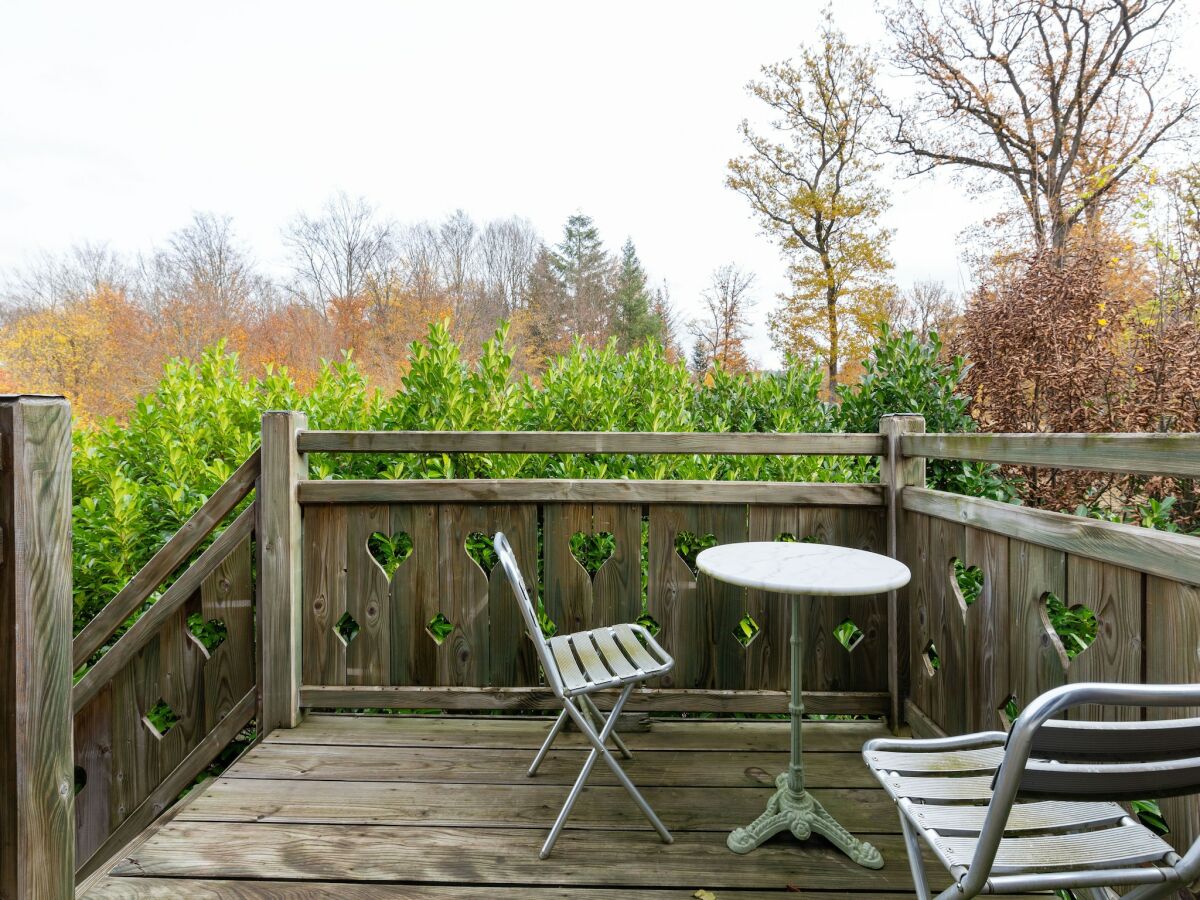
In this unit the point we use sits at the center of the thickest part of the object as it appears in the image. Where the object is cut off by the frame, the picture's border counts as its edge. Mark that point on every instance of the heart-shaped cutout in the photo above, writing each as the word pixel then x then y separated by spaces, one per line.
pixel 480 548
pixel 592 551
pixel 390 550
pixel 747 630
pixel 208 634
pixel 968 581
pixel 689 545
pixel 1072 627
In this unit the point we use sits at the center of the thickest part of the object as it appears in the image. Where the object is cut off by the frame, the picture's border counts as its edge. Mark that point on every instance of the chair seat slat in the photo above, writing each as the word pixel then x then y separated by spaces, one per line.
pixel 631 645
pixel 589 658
pixel 1045 815
pixel 613 656
pixel 965 789
pixel 573 679
pixel 1125 845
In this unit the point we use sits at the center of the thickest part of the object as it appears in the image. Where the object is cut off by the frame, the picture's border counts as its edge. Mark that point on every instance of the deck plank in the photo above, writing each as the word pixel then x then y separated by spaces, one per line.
pixel 527 732
pixel 469 765
pixel 497 806
pixel 208 889
pixel 509 855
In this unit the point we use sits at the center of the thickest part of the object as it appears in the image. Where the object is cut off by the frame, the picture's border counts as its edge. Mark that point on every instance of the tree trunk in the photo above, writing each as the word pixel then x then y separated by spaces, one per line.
pixel 832 324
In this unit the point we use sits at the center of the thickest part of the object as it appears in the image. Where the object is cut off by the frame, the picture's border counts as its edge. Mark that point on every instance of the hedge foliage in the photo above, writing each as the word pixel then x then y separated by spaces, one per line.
pixel 137 482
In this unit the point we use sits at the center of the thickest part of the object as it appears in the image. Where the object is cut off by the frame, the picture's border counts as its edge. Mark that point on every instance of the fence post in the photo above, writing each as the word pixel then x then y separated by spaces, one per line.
pixel 896 472
pixel 279 619
pixel 37 798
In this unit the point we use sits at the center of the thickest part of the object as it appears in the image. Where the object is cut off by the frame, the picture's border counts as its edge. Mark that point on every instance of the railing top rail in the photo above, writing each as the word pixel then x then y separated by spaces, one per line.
pixel 564 490
pixel 625 442
pixel 1137 454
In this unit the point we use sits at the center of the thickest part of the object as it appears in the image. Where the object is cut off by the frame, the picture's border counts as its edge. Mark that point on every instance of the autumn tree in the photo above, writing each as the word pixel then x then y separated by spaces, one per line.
pixel 811 185
pixel 1059 100
pixel 719 335
pixel 925 307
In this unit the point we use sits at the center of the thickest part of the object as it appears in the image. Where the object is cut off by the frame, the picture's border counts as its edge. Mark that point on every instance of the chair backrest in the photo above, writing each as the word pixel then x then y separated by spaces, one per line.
pixel 1113 760
pixel 525 601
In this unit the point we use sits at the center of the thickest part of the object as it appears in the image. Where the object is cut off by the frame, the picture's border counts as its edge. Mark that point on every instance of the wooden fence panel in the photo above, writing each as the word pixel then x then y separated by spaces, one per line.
pixel 987 635
pixel 1114 595
pixel 948 628
pixel 1035 662
pixel 1173 657
pixel 325 569
pixel 574 599
pixel 698 615
pixel 368 602
pixel 414 596
pixel 121 756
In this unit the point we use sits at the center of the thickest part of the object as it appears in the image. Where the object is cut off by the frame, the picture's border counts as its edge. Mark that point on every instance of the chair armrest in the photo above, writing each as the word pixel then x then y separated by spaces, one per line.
pixel 934 745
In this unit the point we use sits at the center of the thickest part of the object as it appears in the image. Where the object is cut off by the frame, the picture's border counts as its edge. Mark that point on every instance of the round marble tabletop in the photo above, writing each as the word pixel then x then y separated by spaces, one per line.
pixel 799 568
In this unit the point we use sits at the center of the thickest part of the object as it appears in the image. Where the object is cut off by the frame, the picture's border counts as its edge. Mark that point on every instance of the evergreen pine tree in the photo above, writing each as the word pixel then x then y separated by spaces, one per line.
pixel 635 319
pixel 584 271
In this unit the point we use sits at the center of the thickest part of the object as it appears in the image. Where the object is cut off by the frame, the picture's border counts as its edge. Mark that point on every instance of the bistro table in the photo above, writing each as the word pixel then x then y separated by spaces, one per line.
pixel 799 569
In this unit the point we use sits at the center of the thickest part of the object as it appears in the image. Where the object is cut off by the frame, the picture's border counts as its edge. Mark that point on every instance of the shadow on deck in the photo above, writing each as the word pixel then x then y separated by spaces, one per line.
pixel 439 808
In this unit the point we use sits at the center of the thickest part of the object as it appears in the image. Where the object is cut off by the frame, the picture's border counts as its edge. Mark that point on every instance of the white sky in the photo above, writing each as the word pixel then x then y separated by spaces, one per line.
pixel 117 120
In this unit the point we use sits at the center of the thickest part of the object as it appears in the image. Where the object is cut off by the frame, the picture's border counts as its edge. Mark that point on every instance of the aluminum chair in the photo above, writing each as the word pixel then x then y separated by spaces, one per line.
pixel 961 796
pixel 577 666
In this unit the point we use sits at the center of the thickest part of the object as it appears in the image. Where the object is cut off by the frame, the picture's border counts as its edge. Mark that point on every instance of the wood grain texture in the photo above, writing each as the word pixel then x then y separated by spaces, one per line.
pixel 1144 549
pixel 528 732
pixel 167 606
pixel 987 640
pixel 279 614
pixel 589 442
pixel 414 596
pixel 1035 662
pixel 169 557
pixel 227 595
pixel 1142 454
pixel 368 598
pixel 542 490
pixel 896 472
pixel 37 818
pixel 1172 639
pixel 865 703
pixel 698 615
pixel 948 701
pixel 915 554
pixel 324 591
pixel 575 600
pixel 1114 595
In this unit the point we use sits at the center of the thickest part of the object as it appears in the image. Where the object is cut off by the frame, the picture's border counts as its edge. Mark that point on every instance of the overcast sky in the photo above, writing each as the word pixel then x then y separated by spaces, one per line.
pixel 117 120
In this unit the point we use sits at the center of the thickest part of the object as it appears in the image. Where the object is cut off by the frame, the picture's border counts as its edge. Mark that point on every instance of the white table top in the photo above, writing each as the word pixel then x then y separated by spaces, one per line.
pixel 798 568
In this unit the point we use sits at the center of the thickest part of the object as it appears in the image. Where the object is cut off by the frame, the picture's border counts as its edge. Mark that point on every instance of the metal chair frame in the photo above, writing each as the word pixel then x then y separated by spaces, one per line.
pixel 1162 879
pixel 575 692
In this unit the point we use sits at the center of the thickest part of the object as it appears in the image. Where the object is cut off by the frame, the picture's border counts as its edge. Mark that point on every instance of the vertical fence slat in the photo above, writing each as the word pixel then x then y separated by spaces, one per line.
pixel 324 575
pixel 367 598
pixel 225 595
pixel 1114 595
pixel 37 834
pixel 916 556
pixel 987 640
pixel 568 592
pixel 511 657
pixel 1172 641
pixel 1035 665
pixel 414 596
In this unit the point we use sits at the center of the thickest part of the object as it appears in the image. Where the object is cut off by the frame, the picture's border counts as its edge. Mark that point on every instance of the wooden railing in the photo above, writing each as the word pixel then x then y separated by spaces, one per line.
pixel 998 652
pixel 367 639
pixel 311 619
pixel 173 690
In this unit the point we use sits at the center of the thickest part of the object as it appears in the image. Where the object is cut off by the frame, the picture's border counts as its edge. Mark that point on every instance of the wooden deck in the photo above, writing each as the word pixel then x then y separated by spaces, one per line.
pixel 434 808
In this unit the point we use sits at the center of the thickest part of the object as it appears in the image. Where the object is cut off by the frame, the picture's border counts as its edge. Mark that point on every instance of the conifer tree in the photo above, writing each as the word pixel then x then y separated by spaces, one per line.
pixel 636 321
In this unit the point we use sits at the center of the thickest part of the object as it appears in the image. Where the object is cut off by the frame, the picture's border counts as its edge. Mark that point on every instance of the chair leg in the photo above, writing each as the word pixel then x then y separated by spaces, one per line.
pixel 913 844
pixel 545 748
pixel 599 750
pixel 598 721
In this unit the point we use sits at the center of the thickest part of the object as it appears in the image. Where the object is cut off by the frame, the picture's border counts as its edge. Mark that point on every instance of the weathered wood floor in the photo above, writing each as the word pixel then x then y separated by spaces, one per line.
pixel 361 808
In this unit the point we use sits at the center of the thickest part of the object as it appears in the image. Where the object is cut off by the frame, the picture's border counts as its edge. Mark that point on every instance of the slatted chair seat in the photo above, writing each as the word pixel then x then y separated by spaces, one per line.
pixel 1034 809
pixel 604 658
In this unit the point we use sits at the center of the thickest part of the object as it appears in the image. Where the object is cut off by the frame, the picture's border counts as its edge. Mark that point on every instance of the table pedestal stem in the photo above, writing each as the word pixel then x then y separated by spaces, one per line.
pixel 792 808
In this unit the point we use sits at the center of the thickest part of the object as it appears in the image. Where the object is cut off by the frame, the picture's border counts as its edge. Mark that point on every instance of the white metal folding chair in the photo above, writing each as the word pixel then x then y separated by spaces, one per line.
pixel 960 794
pixel 578 665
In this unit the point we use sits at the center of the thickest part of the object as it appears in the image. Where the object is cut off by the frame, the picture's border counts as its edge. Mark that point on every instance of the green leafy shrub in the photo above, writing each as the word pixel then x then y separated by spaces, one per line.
pixel 138 482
